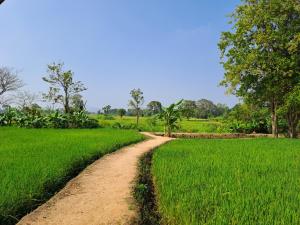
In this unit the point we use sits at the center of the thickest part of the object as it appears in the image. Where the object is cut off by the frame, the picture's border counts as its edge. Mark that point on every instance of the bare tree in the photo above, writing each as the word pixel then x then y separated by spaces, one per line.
pixel 25 99
pixel 9 81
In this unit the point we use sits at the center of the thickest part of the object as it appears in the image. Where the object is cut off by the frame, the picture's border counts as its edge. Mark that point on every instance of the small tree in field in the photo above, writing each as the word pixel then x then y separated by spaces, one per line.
pixel 106 109
pixel 170 117
pixel 136 102
pixel 121 112
pixel 62 86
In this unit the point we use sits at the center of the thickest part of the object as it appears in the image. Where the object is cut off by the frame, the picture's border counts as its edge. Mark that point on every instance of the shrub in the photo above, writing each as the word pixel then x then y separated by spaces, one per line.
pixel 39 119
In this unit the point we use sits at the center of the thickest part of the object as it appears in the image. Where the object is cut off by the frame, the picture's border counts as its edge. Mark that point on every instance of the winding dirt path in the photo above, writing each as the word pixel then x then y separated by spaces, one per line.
pixel 101 194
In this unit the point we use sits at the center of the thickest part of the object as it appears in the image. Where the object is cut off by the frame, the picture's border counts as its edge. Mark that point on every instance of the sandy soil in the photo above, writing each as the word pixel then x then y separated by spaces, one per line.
pixel 101 194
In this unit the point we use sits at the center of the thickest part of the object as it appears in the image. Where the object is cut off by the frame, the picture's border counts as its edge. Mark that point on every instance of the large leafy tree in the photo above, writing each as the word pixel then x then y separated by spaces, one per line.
pixel 205 109
pixel 261 52
pixel 136 102
pixel 63 87
pixel 154 107
pixel 188 108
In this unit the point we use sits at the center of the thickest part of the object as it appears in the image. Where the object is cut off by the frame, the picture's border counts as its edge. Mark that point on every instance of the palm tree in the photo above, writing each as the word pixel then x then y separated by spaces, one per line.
pixel 170 117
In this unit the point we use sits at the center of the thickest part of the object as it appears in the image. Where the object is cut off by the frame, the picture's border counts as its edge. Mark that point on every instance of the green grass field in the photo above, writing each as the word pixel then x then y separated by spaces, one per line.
pixel 149 124
pixel 36 162
pixel 228 181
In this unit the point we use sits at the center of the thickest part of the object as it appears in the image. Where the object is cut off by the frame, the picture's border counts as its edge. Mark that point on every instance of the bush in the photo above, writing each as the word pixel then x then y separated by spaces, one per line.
pixel 58 120
pixel 248 119
pixel 38 119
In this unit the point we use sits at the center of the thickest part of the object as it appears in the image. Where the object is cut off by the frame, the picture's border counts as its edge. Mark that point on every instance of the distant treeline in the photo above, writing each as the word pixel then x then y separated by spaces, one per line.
pixel 201 109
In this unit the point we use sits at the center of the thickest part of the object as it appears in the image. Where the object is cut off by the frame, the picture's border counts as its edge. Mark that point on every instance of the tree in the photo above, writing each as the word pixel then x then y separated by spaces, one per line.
pixel 154 107
pixel 9 81
pixel 170 117
pixel 261 53
pixel 106 109
pixel 221 110
pixel 1 1
pixel 248 118
pixel 136 102
pixel 188 108
pixel 25 99
pixel 291 109
pixel 121 112
pixel 205 109
pixel 77 102
pixel 62 86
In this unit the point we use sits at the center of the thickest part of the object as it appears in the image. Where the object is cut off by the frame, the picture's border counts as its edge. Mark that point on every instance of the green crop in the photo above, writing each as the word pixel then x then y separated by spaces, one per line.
pixel 253 181
pixel 34 163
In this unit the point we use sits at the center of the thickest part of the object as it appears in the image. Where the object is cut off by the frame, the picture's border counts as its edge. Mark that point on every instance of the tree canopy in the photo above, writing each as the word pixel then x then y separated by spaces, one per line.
pixel 261 52
pixel 62 86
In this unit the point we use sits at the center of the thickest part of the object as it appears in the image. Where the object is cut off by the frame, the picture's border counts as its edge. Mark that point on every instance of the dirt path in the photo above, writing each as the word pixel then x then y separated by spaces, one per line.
pixel 101 194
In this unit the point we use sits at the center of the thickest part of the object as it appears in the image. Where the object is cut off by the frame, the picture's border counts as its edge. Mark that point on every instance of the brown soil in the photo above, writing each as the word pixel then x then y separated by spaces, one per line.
pixel 101 194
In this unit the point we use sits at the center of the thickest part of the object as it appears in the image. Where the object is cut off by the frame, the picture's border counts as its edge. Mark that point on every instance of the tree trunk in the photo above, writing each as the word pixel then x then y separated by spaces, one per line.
pixel 274 118
pixel 293 121
pixel 137 118
pixel 66 105
pixel 169 131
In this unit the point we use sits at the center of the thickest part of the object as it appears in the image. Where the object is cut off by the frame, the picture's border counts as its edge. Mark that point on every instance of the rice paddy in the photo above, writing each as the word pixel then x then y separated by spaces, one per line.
pixel 235 181
pixel 34 163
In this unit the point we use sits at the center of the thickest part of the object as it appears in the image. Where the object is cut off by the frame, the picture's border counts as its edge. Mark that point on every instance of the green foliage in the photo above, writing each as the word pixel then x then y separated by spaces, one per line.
pixel 37 118
pixel 170 117
pixel 62 87
pixel 206 109
pixel 136 102
pixel 35 163
pixel 188 109
pixel 291 110
pixel 77 103
pixel 153 108
pixel 202 109
pixel 121 112
pixel 235 181
pixel 106 109
pixel 154 125
pixel 246 118
pixel 261 52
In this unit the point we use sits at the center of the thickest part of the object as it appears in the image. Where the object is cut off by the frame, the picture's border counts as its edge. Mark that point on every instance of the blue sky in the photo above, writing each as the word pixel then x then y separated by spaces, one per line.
pixel 168 48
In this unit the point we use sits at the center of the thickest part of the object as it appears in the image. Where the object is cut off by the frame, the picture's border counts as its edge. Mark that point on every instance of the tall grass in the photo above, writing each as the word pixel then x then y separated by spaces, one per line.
pixel 34 163
pixel 228 181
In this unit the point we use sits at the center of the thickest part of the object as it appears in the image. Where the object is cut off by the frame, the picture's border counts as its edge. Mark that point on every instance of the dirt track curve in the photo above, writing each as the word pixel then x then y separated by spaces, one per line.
pixel 101 194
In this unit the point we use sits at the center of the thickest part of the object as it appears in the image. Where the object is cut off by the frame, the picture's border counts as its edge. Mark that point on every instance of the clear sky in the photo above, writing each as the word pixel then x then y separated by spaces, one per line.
pixel 168 48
